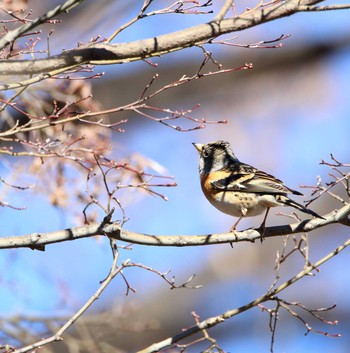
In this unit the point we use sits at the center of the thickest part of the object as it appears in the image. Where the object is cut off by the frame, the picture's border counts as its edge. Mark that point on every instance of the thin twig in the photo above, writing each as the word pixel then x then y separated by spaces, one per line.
pixel 58 336
pixel 213 321
pixel 224 10
pixel 9 37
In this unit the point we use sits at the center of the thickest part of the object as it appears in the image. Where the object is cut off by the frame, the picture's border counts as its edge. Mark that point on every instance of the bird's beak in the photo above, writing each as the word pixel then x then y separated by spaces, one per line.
pixel 198 146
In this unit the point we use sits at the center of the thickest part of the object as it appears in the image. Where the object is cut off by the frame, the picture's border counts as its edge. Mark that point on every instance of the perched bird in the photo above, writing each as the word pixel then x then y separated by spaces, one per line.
pixel 238 189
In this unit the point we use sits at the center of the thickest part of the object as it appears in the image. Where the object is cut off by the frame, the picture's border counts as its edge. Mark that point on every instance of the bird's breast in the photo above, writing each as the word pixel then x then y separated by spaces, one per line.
pixel 233 203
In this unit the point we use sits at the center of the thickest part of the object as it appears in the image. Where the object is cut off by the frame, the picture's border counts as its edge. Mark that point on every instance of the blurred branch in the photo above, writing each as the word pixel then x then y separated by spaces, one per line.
pixel 340 177
pixel 271 295
pixel 9 37
pixel 224 10
pixel 115 270
pixel 106 54
pixel 114 230
pixel 62 116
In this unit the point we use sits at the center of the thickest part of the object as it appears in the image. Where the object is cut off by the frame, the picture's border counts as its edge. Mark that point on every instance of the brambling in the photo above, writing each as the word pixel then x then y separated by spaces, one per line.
pixel 238 189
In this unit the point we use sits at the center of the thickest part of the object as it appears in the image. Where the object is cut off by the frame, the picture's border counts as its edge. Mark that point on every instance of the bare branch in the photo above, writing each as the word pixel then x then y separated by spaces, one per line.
pixel 164 276
pixel 313 312
pixel 113 230
pixel 224 10
pixel 115 270
pixel 106 54
pixel 146 4
pixel 213 321
pixel 13 35
pixel 61 116
pixel 324 8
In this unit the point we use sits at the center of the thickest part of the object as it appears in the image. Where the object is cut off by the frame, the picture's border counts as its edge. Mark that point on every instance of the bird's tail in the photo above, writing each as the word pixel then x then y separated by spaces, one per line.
pixel 289 202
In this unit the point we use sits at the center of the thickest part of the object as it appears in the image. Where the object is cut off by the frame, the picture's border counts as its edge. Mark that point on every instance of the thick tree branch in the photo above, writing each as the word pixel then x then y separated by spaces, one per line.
pixel 113 230
pixel 105 54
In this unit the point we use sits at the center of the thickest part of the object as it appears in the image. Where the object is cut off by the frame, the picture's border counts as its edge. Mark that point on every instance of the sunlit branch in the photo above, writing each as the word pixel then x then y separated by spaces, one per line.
pixel 325 8
pixel 106 54
pixel 113 230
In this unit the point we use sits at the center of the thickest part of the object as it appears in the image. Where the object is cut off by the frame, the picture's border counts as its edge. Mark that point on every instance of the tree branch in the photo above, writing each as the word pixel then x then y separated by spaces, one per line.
pixel 115 270
pixel 16 33
pixel 325 8
pixel 106 54
pixel 224 10
pixel 114 230
pixel 213 321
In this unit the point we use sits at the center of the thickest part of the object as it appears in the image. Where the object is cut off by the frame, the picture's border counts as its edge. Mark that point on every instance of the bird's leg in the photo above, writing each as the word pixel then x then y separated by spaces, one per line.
pixel 233 228
pixel 262 226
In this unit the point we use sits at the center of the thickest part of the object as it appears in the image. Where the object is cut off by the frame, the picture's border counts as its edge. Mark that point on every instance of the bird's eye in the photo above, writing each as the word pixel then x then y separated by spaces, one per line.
pixel 205 153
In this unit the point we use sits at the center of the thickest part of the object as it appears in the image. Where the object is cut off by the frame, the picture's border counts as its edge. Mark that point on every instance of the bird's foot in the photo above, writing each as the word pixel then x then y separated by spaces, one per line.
pixel 261 231
pixel 233 230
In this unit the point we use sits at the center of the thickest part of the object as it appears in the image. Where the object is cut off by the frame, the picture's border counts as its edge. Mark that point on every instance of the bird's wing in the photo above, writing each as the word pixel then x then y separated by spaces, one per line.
pixel 246 178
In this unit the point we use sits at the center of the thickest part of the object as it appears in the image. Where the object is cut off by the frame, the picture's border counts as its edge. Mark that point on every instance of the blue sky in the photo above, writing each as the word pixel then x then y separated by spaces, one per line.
pixel 55 282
